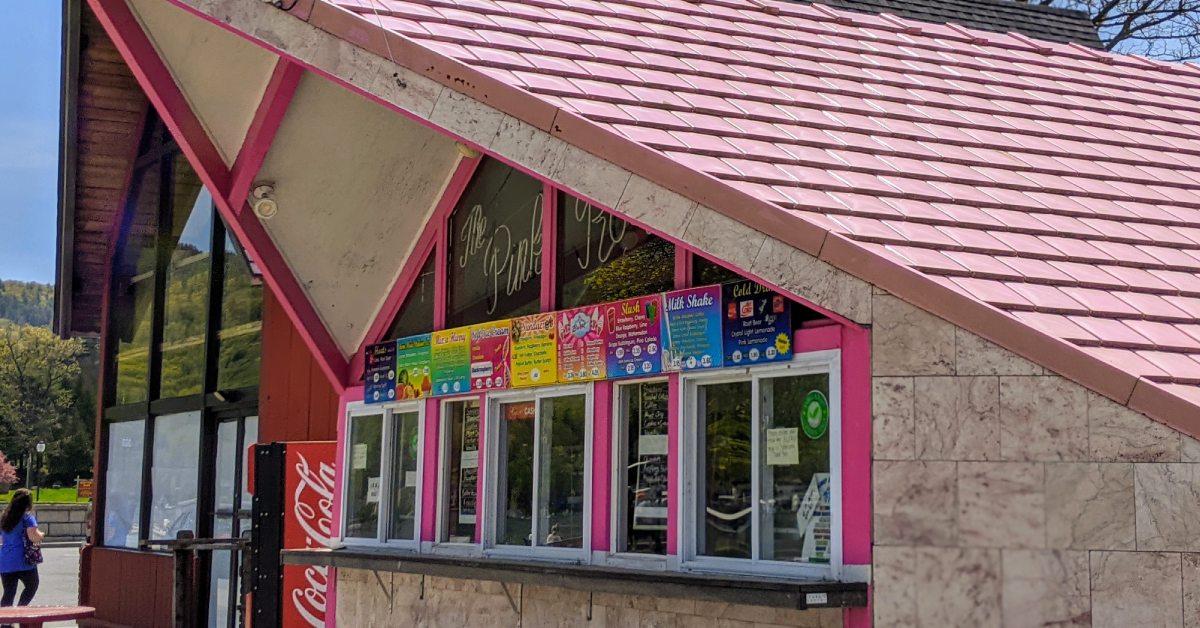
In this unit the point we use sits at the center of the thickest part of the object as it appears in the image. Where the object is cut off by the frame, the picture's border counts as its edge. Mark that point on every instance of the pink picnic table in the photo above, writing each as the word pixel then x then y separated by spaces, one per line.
pixel 35 616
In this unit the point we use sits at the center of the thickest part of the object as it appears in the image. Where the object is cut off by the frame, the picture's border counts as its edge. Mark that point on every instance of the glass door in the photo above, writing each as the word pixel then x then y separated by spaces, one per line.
pixel 230 517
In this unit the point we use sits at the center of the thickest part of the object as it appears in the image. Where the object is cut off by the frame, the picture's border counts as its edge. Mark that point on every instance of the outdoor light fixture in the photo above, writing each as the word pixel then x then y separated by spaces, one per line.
pixel 466 152
pixel 41 447
pixel 262 202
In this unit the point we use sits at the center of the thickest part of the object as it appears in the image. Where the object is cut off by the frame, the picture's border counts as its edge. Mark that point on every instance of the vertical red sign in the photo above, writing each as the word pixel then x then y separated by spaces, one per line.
pixel 307 523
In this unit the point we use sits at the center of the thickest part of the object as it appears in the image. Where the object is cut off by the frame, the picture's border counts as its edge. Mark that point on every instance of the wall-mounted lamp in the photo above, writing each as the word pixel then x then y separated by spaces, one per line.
pixel 466 152
pixel 263 202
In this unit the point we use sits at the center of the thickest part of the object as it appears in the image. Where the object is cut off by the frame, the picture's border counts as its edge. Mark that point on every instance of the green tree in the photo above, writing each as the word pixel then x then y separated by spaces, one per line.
pixel 39 380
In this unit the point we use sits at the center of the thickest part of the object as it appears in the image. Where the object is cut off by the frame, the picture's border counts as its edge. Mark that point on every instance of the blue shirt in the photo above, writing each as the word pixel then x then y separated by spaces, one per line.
pixel 12 552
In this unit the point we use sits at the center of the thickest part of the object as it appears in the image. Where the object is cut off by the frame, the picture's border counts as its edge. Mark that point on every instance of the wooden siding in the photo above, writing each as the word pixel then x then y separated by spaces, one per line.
pixel 296 400
pixel 129 588
pixel 111 108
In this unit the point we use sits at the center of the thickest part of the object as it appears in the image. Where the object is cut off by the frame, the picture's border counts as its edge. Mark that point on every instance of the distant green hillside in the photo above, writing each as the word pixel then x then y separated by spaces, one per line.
pixel 27 303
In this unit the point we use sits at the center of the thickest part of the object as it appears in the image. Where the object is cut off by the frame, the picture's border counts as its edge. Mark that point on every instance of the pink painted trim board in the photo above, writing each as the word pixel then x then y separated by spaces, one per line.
pixel 602 461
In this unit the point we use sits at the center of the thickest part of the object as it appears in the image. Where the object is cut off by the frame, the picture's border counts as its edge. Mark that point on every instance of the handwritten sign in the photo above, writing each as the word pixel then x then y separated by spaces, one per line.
pixel 580 345
pixel 358 456
pixel 783 446
pixel 758 324
pixel 489 355
pixel 372 490
pixel 634 336
pixel 414 376
pixel 693 318
pixel 451 361
pixel 380 373
pixel 534 351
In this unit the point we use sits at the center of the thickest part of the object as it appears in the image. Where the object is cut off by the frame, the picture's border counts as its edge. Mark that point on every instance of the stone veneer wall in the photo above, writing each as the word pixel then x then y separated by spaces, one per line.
pixel 1006 496
pixel 367 599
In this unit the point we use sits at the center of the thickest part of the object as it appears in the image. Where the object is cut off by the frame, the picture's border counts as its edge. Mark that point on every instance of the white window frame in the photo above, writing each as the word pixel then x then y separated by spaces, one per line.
pixel 816 362
pixel 386 465
pixel 443 479
pixel 617 558
pixel 491 473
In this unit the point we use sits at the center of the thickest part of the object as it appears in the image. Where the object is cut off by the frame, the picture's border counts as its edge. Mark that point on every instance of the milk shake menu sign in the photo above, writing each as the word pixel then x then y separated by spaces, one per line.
pixel 693 328
pixel 635 338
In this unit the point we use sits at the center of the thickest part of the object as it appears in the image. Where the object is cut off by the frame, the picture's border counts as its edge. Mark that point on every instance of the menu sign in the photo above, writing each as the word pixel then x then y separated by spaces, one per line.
pixel 489 355
pixel 534 351
pixel 414 377
pixel 693 319
pixel 380 376
pixel 758 324
pixel 451 361
pixel 634 336
pixel 468 483
pixel 580 345
pixel 650 471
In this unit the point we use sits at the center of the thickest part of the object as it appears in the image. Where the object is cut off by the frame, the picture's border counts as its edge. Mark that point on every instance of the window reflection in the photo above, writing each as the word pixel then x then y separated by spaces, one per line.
pixel 363 477
pixel 603 258
pixel 495 247
pixel 240 337
pixel 462 471
pixel 123 483
pixel 416 313
pixel 725 474
pixel 642 524
pixel 133 289
pixel 174 474
pixel 404 476
pixel 560 478
pixel 185 314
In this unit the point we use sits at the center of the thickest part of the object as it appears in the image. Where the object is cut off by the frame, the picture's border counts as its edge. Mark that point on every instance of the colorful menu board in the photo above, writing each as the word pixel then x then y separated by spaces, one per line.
pixel 451 361
pixel 490 347
pixel 414 367
pixel 635 341
pixel 380 373
pixel 534 351
pixel 581 342
pixel 693 321
pixel 758 324
pixel 735 324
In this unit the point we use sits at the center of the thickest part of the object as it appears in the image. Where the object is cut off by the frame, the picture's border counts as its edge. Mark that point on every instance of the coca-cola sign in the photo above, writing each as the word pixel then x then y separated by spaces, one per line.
pixel 308 524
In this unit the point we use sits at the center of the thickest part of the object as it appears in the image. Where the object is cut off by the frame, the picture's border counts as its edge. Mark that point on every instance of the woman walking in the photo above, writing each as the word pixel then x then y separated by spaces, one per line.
pixel 18 527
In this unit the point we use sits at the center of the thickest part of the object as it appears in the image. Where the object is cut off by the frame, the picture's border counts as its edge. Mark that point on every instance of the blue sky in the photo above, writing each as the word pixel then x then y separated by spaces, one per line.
pixel 29 82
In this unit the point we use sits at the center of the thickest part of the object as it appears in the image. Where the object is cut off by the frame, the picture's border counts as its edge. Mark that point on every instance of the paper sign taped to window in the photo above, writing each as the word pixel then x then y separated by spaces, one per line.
pixel 358 456
pixel 410 479
pixel 372 490
pixel 470 460
pixel 783 446
pixel 652 445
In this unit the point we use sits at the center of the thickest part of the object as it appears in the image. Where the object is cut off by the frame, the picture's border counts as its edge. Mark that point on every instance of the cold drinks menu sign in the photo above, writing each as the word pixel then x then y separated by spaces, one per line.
pixel 737 324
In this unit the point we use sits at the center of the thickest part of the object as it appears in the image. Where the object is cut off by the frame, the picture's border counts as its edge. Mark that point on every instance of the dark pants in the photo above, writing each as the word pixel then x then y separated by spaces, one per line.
pixel 28 578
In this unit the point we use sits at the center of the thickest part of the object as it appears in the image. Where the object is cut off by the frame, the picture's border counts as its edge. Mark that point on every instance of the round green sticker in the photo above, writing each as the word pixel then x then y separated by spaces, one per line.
pixel 816 415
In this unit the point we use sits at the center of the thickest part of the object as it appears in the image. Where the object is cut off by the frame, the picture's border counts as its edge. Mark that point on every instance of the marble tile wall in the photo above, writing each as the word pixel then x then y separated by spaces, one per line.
pixel 370 599
pixel 1008 497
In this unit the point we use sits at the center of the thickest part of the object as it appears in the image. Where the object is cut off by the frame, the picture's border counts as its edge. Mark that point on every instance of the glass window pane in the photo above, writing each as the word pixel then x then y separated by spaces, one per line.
pixel 174 473
pixel 725 495
pixel 133 289
pixel 706 273
pixel 404 476
pixel 249 437
pixel 123 483
pixel 642 523
pixel 416 313
pixel 795 478
pixel 240 337
pixel 226 480
pixel 603 258
pixel 362 483
pixel 495 247
pixel 462 469
pixel 560 476
pixel 514 522
pixel 185 311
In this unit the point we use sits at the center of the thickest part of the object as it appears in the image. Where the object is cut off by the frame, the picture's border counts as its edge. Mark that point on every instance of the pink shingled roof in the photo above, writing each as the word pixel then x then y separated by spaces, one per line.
pixel 1051 181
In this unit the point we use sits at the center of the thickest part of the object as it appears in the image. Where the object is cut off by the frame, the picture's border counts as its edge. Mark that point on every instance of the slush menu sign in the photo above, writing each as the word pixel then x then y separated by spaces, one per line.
pixel 693 328
pixel 634 336
pixel 758 324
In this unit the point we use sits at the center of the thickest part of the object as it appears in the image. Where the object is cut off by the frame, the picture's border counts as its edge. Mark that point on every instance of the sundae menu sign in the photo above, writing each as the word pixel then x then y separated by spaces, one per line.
pixel 534 351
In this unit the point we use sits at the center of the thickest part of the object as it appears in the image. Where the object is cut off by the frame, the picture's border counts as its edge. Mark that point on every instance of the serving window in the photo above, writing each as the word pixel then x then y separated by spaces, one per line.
pixel 540 459
pixel 459 472
pixel 642 466
pixel 382 481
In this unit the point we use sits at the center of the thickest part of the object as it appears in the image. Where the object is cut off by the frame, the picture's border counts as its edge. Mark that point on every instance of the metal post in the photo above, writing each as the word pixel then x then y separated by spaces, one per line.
pixel 183 603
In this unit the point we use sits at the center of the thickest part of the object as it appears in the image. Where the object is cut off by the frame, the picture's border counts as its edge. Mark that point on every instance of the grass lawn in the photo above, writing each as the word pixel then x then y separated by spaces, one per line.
pixel 51 496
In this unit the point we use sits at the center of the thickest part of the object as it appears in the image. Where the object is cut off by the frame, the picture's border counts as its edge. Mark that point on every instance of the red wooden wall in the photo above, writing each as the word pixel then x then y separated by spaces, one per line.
pixel 296 400
pixel 129 588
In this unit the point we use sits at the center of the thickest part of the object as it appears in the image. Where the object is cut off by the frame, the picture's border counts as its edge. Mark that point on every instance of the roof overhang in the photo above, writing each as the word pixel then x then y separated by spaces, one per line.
pixel 706 214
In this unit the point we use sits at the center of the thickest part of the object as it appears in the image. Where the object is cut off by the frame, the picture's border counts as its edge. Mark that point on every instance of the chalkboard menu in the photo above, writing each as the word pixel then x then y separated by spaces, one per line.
pixel 468 484
pixel 648 479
